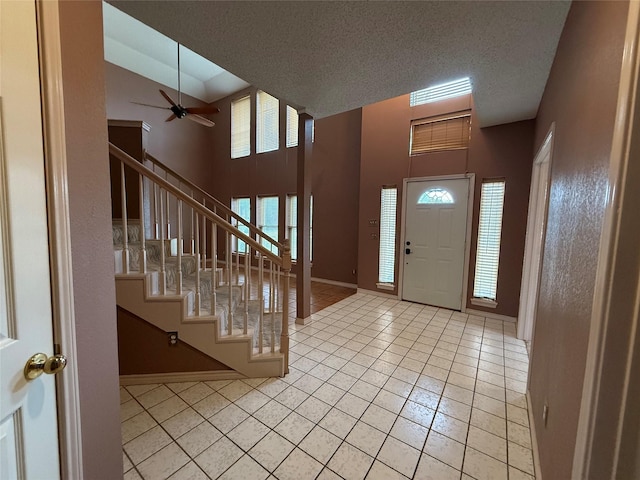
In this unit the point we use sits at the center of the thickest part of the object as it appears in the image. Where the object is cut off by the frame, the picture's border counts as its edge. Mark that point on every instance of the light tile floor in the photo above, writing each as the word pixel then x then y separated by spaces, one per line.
pixel 377 389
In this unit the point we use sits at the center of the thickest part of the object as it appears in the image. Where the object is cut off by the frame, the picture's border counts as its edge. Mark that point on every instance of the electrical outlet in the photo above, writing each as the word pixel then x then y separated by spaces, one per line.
pixel 545 413
pixel 173 339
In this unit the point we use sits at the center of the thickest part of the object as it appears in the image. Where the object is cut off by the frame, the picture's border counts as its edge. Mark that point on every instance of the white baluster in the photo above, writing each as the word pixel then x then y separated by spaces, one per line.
pixel 272 306
pixel 214 266
pixel 229 283
pixel 196 225
pixel 204 242
pixel 260 300
pixel 245 289
pixel 179 248
pixel 143 242
pixel 163 272
pixel 125 229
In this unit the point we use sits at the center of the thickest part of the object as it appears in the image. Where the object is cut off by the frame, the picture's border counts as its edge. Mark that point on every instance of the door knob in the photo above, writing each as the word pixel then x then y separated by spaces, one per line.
pixel 40 363
pixel 407 251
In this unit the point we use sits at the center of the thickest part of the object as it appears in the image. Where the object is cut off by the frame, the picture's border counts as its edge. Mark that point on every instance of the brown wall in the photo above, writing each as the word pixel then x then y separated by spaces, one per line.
pixel 144 348
pixel 181 144
pixel 504 151
pixel 90 218
pixel 335 170
pixel 580 97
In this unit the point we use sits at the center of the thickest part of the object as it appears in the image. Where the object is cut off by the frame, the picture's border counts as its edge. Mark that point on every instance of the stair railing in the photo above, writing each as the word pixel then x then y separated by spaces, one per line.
pixel 169 199
pixel 209 201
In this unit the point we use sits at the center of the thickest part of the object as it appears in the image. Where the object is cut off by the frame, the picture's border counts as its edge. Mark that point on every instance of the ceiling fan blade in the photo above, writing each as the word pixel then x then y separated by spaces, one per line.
pixel 203 110
pixel 200 120
pixel 167 98
pixel 171 117
pixel 154 106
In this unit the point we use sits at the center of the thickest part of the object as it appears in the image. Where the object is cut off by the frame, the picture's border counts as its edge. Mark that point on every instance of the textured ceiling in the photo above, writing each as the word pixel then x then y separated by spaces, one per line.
pixel 329 57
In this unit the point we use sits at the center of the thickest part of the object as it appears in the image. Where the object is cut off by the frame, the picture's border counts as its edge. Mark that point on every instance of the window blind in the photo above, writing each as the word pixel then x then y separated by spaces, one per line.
pixel 268 219
pixel 292 226
pixel 241 206
pixel 440 133
pixel 240 127
pixel 440 92
pixel 387 252
pixel 489 231
pixel 267 128
pixel 292 127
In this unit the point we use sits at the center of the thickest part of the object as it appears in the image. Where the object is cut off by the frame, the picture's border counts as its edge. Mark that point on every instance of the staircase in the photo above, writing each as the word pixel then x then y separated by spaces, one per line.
pixel 185 264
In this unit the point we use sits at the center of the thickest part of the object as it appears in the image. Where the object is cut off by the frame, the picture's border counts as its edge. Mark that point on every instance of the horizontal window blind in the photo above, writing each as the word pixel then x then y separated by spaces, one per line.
pixel 440 133
pixel 292 226
pixel 489 232
pixel 440 92
pixel 241 206
pixel 268 219
pixel 292 127
pixel 267 128
pixel 387 252
pixel 240 127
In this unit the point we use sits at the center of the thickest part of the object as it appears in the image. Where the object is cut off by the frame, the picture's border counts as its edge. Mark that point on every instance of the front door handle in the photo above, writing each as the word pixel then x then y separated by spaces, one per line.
pixel 407 251
pixel 40 363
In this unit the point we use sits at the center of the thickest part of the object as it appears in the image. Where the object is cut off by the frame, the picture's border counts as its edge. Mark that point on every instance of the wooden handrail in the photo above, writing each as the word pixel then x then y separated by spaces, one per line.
pixel 252 228
pixel 284 261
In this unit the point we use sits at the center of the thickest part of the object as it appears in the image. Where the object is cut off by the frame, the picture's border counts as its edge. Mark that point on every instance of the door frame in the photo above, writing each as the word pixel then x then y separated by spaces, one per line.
pixel 532 264
pixel 467 241
pixel 64 328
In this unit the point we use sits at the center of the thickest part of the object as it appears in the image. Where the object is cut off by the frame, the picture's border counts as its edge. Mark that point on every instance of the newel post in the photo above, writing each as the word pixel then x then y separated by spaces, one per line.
pixel 284 335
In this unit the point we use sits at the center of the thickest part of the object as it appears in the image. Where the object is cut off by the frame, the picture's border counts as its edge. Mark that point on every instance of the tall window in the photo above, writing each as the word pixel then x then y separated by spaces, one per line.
pixel 267 130
pixel 489 231
pixel 268 219
pixel 292 127
pixel 387 254
pixel 440 92
pixel 241 127
pixel 241 206
pixel 292 226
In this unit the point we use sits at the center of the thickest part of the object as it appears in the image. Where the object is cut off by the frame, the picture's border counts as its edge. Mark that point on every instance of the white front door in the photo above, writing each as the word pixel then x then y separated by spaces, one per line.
pixel 28 423
pixel 434 242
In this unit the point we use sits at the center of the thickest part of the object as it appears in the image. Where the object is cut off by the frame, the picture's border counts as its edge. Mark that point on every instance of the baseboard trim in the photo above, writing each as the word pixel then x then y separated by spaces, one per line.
pixel 334 282
pixel 378 294
pixel 176 377
pixel 494 316
pixel 534 440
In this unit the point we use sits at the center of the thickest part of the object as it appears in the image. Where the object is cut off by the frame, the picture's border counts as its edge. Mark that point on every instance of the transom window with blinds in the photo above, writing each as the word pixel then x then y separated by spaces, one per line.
pixel 387 249
pixel 267 122
pixel 489 231
pixel 446 132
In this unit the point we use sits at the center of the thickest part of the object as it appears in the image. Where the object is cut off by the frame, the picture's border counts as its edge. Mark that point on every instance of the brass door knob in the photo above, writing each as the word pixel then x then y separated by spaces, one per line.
pixel 40 363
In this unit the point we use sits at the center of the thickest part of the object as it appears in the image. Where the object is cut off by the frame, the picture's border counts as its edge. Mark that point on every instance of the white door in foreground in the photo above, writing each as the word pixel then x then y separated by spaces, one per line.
pixel 28 423
pixel 435 233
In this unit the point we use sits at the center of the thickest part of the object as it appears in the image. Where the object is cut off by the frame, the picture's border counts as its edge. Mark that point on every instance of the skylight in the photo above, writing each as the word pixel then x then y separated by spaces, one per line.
pixel 456 88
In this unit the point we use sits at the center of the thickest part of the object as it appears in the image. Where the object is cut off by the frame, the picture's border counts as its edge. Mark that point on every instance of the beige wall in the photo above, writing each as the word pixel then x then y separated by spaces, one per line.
pixel 580 97
pixel 90 214
pixel 504 151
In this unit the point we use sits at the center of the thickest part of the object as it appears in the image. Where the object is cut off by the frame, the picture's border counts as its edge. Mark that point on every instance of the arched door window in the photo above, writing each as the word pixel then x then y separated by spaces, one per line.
pixel 435 195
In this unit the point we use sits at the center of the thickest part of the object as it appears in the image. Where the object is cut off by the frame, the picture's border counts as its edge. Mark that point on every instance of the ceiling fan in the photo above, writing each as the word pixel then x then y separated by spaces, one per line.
pixel 178 111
